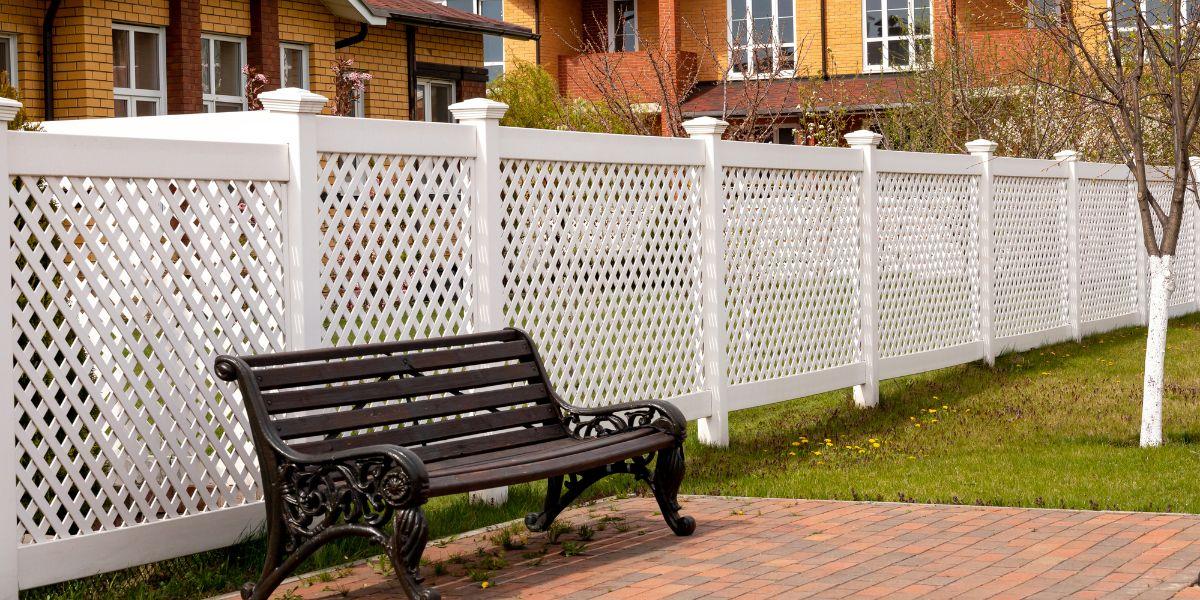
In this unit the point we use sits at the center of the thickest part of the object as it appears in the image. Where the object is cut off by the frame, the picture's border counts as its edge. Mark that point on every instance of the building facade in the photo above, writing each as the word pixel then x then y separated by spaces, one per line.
pixel 150 57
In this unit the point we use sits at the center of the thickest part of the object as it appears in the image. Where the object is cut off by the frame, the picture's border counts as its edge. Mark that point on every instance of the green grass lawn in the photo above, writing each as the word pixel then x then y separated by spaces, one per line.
pixel 1053 427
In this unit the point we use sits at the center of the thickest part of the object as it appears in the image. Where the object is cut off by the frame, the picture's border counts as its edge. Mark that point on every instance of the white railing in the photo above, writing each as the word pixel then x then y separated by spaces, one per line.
pixel 719 275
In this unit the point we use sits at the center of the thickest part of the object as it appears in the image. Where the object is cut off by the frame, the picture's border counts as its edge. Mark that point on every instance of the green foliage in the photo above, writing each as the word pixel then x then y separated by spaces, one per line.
pixel 534 102
pixel 21 122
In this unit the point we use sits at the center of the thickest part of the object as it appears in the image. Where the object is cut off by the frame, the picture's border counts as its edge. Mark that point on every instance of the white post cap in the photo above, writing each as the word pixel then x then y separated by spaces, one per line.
pixel 863 138
pixel 981 146
pixel 9 109
pixel 293 100
pixel 705 126
pixel 1066 156
pixel 477 109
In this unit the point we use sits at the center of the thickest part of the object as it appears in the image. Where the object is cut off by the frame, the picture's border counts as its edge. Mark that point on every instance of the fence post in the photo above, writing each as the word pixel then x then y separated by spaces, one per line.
pixel 9 543
pixel 488 267
pixel 985 149
pixel 294 111
pixel 1070 159
pixel 713 430
pixel 866 394
pixel 1194 165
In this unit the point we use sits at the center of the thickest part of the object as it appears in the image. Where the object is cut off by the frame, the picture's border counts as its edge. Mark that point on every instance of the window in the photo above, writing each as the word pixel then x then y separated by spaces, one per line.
pixel 493 45
pixel 898 34
pixel 8 57
pixel 138 71
pixel 762 37
pixel 1158 13
pixel 433 100
pixel 293 65
pixel 622 25
pixel 221 62
pixel 1042 12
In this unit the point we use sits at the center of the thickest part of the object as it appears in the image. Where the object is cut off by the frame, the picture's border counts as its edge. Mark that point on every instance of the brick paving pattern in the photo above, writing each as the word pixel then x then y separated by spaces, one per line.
pixel 771 548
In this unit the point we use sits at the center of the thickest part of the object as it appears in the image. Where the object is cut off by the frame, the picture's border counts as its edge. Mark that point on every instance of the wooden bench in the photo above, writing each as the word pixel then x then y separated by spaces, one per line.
pixel 348 438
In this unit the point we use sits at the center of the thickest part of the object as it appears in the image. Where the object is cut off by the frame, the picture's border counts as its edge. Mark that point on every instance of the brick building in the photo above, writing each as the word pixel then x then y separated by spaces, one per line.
pixel 853 51
pixel 142 57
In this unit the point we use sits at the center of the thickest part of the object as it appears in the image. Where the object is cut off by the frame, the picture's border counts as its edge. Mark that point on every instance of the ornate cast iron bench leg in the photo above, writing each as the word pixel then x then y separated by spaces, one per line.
pixel 405 549
pixel 668 476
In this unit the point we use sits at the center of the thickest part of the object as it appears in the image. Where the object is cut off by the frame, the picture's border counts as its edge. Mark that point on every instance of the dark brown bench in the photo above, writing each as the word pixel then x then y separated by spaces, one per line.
pixel 349 437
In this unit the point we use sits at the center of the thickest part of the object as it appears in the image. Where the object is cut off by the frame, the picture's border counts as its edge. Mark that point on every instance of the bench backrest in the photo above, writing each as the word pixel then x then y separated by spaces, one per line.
pixel 443 398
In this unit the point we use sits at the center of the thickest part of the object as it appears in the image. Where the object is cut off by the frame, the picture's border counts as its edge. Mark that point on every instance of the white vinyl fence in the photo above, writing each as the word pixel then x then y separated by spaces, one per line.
pixel 719 275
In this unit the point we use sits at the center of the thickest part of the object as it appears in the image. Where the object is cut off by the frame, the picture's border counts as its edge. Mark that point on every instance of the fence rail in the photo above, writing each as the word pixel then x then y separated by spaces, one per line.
pixel 720 275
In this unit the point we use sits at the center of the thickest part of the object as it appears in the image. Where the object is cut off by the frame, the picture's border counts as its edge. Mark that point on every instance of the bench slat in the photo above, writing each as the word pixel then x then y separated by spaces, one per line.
pixel 293 400
pixel 490 443
pixel 367 368
pixel 409 411
pixel 538 452
pixel 442 430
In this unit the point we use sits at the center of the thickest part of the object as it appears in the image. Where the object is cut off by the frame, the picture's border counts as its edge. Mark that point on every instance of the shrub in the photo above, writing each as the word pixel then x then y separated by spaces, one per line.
pixel 21 122
pixel 534 101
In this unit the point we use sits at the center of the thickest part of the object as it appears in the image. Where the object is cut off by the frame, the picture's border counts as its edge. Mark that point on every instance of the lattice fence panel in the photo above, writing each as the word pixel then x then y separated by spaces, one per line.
pixel 127 290
pixel 928 262
pixel 1029 219
pixel 792 243
pixel 1109 243
pixel 602 266
pixel 396 234
pixel 1184 265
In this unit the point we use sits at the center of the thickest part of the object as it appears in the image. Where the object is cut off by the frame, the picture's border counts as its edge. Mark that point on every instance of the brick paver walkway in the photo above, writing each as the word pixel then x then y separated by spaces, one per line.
pixel 767 548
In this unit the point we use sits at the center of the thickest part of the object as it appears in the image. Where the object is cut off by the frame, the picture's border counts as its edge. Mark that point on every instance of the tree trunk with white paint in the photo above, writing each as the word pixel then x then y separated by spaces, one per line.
pixel 1162 283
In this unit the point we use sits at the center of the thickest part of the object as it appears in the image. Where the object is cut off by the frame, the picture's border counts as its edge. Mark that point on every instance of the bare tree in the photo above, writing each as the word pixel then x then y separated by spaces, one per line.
pixel 1139 68
pixel 749 102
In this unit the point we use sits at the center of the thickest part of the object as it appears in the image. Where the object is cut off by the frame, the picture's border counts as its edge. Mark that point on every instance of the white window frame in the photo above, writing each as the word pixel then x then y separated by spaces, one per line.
pixel 612 24
pixel 886 66
pixel 10 40
pixel 304 58
pixel 211 100
pixel 424 82
pixel 134 95
pixel 1112 10
pixel 748 47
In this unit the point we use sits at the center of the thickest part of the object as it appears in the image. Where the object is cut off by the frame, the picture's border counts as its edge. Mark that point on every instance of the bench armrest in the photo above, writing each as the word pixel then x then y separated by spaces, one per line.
pixel 605 420
pixel 389 475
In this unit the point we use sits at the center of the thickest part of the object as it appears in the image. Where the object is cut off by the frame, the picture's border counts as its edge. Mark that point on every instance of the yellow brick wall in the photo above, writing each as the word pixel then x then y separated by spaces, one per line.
pixel 23 19
pixel 520 12
pixel 383 55
pixel 701 19
pixel 309 22
pixel 560 32
pixel 225 17
pixel 844 32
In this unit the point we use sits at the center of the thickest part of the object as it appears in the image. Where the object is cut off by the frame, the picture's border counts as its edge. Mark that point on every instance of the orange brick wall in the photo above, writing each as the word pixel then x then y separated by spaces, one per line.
pixel 225 17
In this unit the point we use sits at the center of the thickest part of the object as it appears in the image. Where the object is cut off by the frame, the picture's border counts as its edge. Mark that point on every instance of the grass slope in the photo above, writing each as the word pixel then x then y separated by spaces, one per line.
pixel 1051 427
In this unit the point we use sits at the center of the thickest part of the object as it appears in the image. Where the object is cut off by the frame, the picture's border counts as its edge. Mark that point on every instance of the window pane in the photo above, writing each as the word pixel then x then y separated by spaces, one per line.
pixel 740 64
pixel 293 68
pixel 494 71
pixel 228 68
pixel 787 58
pixel 783 8
pixel 898 53
pixel 120 39
pixel 762 31
pixel 760 8
pixel 1159 11
pixel 440 101
pixel 921 21
pixel 463 5
pixel 147 108
pixel 875 24
pixel 120 107
pixel 419 102
pixel 898 22
pixel 924 52
pixel 8 54
pixel 145 49
pixel 739 33
pixel 492 9
pixel 206 65
pixel 787 31
pixel 737 9
pixel 223 107
pixel 762 60
pixel 493 48
pixel 875 53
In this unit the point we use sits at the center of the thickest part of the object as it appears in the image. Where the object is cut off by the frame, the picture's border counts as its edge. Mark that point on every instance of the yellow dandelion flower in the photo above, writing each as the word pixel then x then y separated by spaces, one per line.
pixel 945 407
pixel 932 410
pixel 795 443
pixel 827 440
pixel 791 453
pixel 875 445
pixel 918 424
pixel 485 585
pixel 816 452
pixel 913 457
pixel 872 440
pixel 933 420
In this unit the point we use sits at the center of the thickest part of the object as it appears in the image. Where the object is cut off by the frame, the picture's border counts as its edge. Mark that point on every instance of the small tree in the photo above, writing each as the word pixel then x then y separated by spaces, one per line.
pixel 534 102
pixel 255 84
pixel 349 84
pixel 21 122
pixel 1139 70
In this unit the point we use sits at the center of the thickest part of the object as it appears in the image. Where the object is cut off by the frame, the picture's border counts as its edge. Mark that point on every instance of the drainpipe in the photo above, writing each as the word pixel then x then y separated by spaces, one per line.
pixel 410 37
pixel 354 39
pixel 824 45
pixel 48 58
pixel 537 29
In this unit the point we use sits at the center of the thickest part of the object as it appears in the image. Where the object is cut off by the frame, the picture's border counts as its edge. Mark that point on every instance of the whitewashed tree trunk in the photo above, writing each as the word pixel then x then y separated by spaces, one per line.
pixel 1162 282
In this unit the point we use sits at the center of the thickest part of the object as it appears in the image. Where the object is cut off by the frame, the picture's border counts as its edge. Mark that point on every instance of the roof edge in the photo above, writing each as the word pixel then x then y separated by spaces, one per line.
pixel 355 10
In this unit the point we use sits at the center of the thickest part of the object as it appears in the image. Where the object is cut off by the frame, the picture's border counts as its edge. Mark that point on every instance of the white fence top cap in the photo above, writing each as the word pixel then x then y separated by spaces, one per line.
pixel 705 126
pixel 8 109
pixel 981 146
pixel 478 108
pixel 863 138
pixel 293 100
